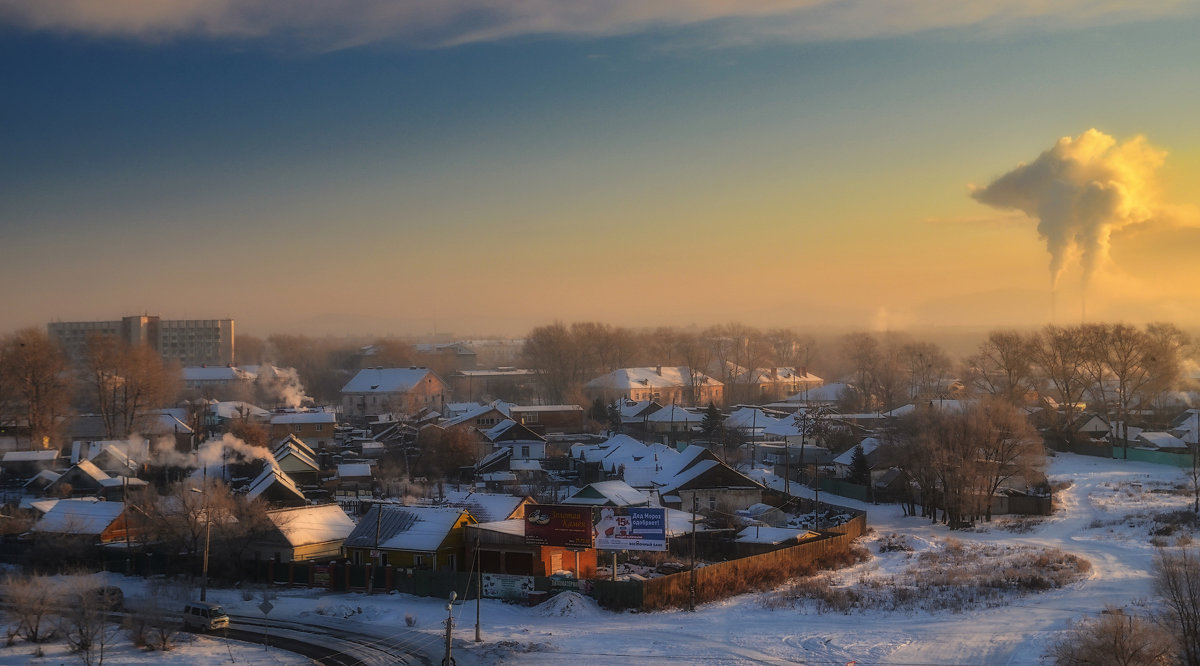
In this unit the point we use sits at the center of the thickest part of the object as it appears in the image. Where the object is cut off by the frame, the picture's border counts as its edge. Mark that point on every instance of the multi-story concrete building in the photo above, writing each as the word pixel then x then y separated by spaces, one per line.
pixel 189 341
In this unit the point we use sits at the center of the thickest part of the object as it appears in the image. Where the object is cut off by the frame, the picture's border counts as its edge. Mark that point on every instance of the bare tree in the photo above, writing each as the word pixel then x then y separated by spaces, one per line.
pixel 84 622
pixel 1060 355
pixel 35 385
pixel 33 599
pixel 1113 638
pixel 1177 581
pixel 1003 366
pixel 1008 446
pixel 126 383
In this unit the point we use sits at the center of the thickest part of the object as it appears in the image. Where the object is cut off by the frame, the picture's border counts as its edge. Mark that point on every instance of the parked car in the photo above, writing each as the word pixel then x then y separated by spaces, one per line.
pixel 202 616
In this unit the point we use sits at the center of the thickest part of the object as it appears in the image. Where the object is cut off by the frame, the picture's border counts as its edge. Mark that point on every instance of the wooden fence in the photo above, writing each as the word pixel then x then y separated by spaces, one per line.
pixel 725 579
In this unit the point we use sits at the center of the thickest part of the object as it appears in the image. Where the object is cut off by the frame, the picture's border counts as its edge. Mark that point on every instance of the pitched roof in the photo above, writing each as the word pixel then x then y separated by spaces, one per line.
pixel 304 417
pixel 272 476
pixel 353 470
pixel 664 377
pixel 868 446
pixel 48 455
pixel 410 528
pixel 386 380
pixel 306 525
pixel 615 493
pixel 486 507
pixel 81 517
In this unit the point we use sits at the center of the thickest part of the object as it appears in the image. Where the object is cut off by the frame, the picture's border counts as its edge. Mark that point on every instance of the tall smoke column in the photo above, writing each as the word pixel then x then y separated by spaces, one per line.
pixel 1081 191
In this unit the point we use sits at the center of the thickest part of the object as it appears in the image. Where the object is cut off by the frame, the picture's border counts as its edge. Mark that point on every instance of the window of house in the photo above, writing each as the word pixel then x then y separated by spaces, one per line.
pixel 318 427
pixel 524 450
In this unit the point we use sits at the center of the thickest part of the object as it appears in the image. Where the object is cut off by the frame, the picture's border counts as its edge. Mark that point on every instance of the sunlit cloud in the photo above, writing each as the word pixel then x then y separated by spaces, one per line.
pixel 333 24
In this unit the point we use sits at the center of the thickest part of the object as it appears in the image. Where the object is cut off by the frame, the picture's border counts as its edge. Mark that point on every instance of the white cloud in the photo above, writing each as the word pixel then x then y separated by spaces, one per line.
pixel 332 24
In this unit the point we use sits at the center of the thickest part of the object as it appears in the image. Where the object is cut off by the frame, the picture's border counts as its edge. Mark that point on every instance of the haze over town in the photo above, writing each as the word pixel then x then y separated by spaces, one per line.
pixel 364 168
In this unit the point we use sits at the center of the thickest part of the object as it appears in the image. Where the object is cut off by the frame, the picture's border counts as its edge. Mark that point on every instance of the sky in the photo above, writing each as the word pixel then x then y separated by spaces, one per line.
pixel 477 168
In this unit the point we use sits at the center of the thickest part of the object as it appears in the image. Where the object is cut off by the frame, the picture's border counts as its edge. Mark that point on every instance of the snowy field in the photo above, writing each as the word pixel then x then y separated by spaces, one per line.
pixel 1109 515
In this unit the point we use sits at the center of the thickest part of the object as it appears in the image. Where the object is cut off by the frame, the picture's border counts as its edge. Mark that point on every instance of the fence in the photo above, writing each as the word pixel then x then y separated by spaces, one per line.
pixel 725 579
pixel 1183 460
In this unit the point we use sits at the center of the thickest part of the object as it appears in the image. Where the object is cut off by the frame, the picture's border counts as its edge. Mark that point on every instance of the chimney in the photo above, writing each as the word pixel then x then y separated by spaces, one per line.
pixel 774 374
pixel 658 370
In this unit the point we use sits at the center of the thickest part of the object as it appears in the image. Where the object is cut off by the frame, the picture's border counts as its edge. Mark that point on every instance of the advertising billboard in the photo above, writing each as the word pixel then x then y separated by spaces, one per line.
pixel 631 528
pixel 557 525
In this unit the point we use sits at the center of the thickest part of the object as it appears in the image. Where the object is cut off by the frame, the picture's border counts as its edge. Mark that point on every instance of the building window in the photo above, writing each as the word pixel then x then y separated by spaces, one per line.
pixel 318 427
pixel 525 451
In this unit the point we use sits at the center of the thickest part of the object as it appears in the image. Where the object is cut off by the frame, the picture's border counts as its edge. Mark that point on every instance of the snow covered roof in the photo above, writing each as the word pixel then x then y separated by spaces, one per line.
pixel 82 517
pixel 868 446
pixel 312 524
pixel 89 469
pixel 486 507
pixel 353 470
pixel 615 493
pixel 514 527
pixel 217 373
pixel 43 477
pixel 631 410
pixel 773 535
pixel 476 412
pixel 166 424
pixel 664 377
pixel 235 409
pixel 1162 440
pixel 675 414
pixel 411 528
pixel 386 380
pixel 122 482
pixel 272 475
pixel 826 393
pixel 48 455
pixel 750 417
pixel 304 417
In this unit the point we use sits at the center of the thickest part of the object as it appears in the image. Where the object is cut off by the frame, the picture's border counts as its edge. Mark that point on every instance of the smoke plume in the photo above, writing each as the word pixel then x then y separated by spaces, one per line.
pixel 209 458
pixel 283 385
pixel 1081 191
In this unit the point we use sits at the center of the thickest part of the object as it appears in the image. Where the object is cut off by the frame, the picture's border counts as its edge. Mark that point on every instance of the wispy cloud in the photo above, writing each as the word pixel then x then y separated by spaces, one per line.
pixel 333 24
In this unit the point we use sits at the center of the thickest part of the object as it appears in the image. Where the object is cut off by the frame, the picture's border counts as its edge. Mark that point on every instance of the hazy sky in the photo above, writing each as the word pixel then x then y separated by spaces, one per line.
pixel 341 165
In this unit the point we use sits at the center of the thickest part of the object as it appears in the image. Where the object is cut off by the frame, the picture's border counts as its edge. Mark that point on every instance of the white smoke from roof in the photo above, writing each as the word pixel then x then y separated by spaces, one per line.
pixel 283 385
pixel 211 456
pixel 1081 191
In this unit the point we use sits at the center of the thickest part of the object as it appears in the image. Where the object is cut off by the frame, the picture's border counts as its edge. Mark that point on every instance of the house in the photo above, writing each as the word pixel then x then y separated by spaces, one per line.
pixel 636 411
pixel 448 357
pixel 674 418
pixel 1162 441
pixel 609 493
pixel 377 391
pixel 502 383
pixel 525 444
pixel 826 394
pixel 40 481
pixel 763 384
pixel 26 464
pixel 663 384
pixel 303 533
pixel 216 378
pixel 315 427
pixel 699 479
pixel 1091 427
pixel 298 461
pixel 276 488
pixel 480 417
pixel 86 520
pixel 82 479
pixel 111 457
pixel 417 537
pixel 1186 426
pixel 500 548
pixel 488 507
pixel 544 419
pixel 843 463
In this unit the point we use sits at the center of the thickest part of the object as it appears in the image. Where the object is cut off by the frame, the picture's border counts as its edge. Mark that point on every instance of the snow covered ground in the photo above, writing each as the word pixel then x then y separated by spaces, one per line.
pixel 1107 516
pixel 191 650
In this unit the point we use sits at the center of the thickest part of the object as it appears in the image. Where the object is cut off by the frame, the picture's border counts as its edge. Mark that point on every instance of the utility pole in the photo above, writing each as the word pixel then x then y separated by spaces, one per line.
pixel 448 660
pixel 692 585
pixel 478 587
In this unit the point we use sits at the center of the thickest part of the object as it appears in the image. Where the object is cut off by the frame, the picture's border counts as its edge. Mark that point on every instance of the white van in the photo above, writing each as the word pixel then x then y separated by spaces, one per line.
pixel 202 616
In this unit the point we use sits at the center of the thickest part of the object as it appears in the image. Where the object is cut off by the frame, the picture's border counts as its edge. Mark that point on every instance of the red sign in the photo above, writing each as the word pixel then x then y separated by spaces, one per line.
pixel 557 525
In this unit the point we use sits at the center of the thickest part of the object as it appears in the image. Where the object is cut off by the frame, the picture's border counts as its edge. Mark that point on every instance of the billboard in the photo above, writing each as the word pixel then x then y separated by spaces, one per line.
pixel 557 525
pixel 631 528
